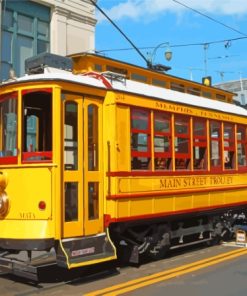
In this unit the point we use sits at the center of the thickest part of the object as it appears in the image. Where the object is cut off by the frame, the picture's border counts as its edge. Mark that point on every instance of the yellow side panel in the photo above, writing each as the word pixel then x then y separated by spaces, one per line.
pixel 27 229
pixel 232 196
pixel 183 202
pixel 218 198
pixel 144 196
pixel 163 203
pixel 26 188
pixel 123 207
pixel 201 200
pixel 141 207
pixel 123 137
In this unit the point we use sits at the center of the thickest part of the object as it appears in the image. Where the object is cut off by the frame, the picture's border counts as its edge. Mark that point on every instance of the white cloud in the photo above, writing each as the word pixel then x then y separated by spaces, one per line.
pixel 144 9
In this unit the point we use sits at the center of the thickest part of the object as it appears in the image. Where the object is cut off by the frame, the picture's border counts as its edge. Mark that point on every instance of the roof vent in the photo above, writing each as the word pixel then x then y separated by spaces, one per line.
pixel 36 64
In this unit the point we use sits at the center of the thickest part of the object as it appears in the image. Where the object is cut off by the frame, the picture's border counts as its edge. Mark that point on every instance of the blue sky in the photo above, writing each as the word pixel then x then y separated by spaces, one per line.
pixel 149 23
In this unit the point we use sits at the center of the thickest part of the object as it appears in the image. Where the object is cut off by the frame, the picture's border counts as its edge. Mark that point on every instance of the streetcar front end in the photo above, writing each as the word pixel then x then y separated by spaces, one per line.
pixel 27 173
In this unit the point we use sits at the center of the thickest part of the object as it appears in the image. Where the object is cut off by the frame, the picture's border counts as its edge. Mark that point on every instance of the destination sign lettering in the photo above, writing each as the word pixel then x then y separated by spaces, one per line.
pixel 197 181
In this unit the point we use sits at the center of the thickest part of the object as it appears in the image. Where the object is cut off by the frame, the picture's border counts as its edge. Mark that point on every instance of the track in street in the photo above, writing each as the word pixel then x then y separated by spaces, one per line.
pixel 165 275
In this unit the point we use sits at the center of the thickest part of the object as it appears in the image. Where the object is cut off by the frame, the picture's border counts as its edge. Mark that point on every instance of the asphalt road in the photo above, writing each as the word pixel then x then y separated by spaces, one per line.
pixel 225 278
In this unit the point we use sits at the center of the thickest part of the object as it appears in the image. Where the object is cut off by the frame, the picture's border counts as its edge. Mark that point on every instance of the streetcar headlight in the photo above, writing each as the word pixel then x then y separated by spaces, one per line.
pixel 4 205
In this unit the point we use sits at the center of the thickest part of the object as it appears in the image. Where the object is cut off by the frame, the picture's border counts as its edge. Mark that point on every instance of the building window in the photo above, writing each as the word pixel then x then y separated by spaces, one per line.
pixel 25 33
pixel 242 98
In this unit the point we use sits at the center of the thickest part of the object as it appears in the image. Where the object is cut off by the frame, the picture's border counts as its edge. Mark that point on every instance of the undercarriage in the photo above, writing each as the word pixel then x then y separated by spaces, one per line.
pixel 153 238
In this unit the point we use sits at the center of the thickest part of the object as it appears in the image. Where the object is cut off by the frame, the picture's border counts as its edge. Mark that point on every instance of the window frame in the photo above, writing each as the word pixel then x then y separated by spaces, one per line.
pixel 185 157
pixel 244 143
pixel 218 167
pixel 165 155
pixel 33 156
pixel 147 132
pixel 230 149
pixel 11 159
pixel 200 141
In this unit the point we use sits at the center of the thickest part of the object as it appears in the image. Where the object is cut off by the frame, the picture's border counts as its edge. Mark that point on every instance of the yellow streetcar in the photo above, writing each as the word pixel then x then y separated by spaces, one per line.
pixel 102 160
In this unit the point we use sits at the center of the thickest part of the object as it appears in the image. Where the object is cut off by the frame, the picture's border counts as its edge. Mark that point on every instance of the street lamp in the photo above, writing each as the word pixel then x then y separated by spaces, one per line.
pixel 167 54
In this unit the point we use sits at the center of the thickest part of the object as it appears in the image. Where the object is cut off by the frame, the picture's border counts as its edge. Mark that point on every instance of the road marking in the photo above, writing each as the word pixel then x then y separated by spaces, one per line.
pixel 165 275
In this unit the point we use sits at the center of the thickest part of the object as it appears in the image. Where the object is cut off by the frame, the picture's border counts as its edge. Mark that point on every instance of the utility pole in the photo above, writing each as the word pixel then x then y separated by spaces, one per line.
pixel 205 46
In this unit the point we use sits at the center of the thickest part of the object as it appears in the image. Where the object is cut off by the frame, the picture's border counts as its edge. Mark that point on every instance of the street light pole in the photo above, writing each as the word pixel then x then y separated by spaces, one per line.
pixel 168 56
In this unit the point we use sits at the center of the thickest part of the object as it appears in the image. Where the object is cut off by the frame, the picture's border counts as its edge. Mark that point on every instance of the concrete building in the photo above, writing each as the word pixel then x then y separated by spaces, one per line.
pixel 30 27
pixel 239 87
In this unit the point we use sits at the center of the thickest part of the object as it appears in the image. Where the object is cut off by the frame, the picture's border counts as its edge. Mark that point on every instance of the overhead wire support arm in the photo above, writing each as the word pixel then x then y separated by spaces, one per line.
pixel 124 35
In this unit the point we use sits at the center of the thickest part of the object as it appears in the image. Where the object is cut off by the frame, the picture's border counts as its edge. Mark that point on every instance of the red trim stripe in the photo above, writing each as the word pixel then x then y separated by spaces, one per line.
pixel 27 91
pixel 38 156
pixel 8 160
pixel 7 96
pixel 140 173
pixel 173 192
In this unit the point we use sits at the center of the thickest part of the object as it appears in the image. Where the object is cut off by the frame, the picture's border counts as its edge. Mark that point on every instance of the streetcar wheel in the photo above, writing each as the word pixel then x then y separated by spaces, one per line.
pixel 159 250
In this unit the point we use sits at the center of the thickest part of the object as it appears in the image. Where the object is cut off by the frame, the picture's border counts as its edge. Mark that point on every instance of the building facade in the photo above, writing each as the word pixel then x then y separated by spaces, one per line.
pixel 31 27
pixel 239 87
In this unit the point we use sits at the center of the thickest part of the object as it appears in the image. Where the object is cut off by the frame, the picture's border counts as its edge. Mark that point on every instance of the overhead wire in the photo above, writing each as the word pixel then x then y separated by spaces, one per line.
pixel 209 17
pixel 175 45
pixel 93 2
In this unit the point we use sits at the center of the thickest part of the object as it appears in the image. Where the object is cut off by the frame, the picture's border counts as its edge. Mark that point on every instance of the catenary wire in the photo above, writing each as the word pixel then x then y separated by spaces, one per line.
pixel 210 18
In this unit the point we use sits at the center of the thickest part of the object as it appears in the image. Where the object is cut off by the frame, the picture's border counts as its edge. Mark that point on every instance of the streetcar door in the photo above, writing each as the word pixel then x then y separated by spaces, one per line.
pixel 93 176
pixel 83 188
pixel 73 165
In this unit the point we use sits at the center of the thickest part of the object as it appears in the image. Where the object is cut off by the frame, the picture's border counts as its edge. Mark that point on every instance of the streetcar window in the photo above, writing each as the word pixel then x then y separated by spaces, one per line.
pixel 138 77
pixel 93 200
pixel 140 120
pixel 215 146
pixel 182 143
pixel 229 146
pixel 71 136
pixel 194 91
pixel 160 83
pixel 199 144
pixel 140 140
pixel 93 145
pixel 241 145
pixel 178 86
pixel 162 141
pixel 71 201
pixel 37 126
pixel 8 124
